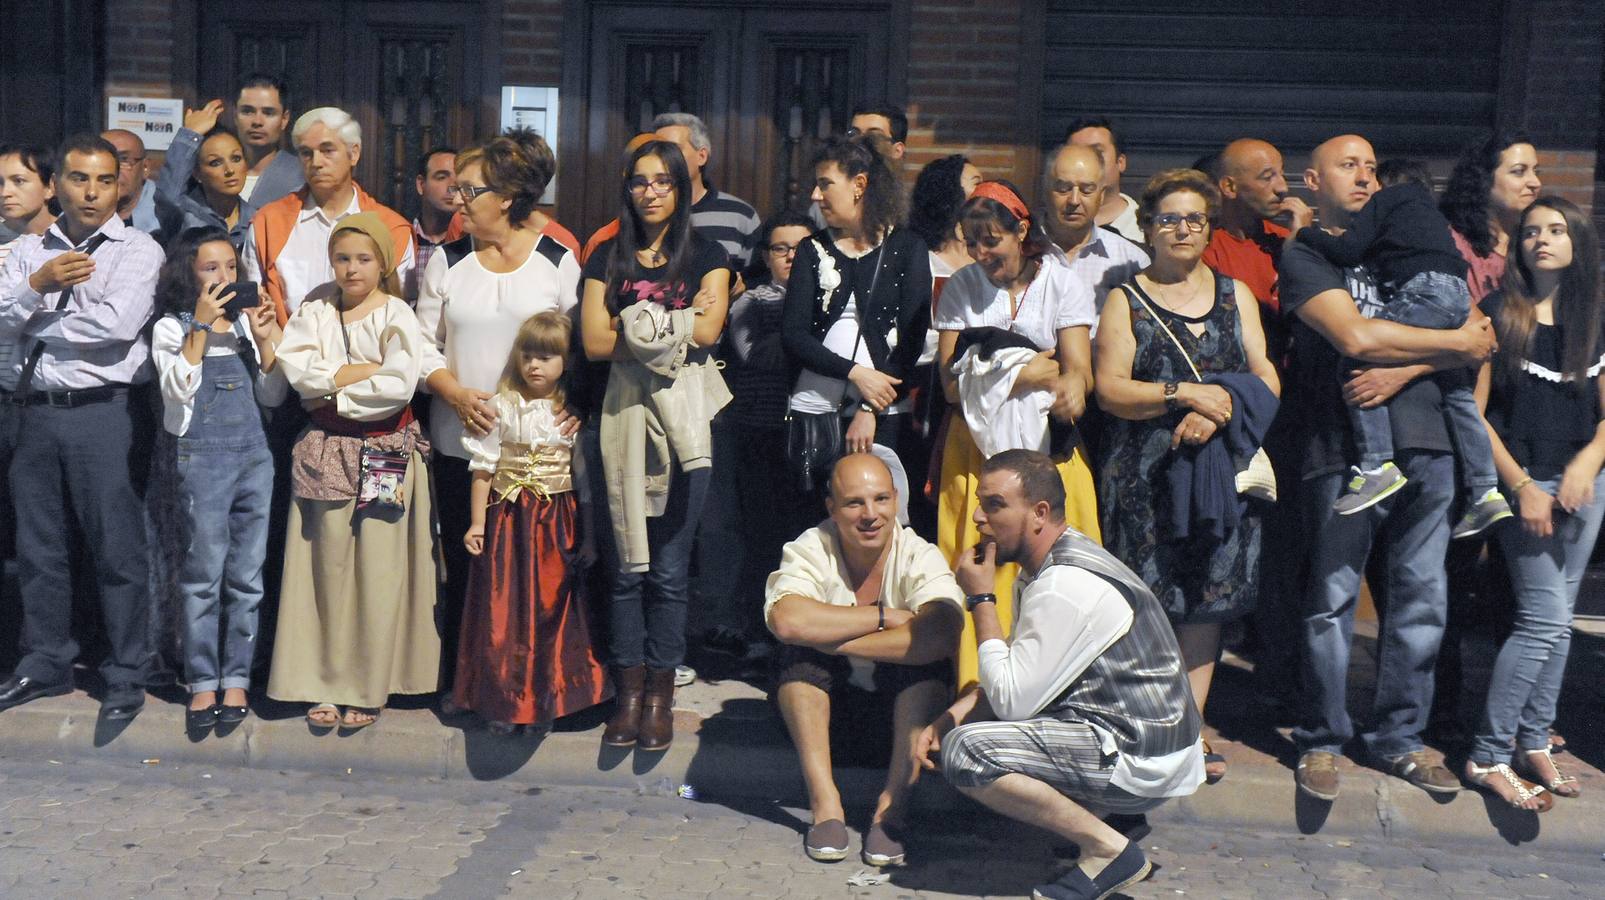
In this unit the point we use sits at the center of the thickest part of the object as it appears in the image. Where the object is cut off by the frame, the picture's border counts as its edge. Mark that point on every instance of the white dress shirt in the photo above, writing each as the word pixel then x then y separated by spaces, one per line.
pixel 1105 261
pixel 303 264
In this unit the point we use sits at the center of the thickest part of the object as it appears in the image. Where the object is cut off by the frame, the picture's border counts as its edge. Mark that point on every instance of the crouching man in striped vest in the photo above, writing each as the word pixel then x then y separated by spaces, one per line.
pixel 1085 712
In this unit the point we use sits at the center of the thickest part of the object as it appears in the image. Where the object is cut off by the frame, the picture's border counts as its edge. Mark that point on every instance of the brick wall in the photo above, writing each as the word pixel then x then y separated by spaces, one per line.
pixel 139 49
pixel 963 74
pixel 532 41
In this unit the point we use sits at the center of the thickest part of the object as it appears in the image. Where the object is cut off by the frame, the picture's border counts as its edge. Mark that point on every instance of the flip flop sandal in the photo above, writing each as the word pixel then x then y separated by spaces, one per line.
pixel 321 708
pixel 346 723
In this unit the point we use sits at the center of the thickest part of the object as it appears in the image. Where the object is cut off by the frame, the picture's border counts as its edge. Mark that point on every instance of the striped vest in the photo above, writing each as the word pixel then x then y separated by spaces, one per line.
pixel 1137 689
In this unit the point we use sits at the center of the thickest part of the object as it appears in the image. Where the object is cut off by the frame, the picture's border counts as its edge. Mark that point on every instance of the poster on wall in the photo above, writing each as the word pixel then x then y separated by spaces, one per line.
pixel 155 119
pixel 533 107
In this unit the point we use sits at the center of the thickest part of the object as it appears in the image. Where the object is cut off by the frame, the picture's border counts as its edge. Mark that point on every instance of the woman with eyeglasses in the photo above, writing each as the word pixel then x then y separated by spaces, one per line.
pixel 1172 345
pixel 474 295
pixel 857 309
pixel 654 304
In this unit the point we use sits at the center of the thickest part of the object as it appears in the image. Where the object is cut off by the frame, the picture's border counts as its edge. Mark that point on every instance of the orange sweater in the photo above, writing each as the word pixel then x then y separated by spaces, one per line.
pixel 273 223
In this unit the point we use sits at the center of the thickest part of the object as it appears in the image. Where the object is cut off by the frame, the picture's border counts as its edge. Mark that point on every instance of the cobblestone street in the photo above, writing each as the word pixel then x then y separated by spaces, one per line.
pixel 99 830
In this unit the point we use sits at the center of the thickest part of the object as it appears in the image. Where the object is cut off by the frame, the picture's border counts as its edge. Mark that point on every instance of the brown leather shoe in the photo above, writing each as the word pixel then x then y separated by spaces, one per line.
pixel 657 717
pixel 625 724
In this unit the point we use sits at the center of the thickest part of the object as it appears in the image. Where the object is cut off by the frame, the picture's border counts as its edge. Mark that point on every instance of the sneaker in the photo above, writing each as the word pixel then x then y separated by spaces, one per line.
pixel 1317 775
pixel 1367 489
pixel 1485 512
pixel 1419 769
pixel 826 841
pixel 880 847
pixel 684 675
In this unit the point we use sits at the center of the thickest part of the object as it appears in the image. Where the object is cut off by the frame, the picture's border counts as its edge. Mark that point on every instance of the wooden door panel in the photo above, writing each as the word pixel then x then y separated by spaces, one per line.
pixel 238 39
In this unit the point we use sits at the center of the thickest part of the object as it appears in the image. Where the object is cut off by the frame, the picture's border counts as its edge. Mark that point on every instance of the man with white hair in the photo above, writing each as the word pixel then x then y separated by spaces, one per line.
pixel 287 249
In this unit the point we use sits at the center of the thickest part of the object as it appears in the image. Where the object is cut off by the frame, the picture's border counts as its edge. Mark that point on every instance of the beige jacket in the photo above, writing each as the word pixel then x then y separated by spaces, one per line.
pixel 652 420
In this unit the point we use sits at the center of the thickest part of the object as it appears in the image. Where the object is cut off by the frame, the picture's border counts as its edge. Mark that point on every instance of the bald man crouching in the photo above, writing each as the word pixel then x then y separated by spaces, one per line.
pixel 869 616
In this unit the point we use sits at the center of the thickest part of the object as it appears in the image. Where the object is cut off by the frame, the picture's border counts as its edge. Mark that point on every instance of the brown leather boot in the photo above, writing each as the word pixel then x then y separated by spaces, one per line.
pixel 625 724
pixel 657 719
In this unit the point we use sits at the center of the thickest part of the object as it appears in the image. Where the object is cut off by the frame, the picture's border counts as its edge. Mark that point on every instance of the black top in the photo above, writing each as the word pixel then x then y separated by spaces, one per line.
pixel 900 301
pixel 1400 233
pixel 1543 417
pixel 1316 415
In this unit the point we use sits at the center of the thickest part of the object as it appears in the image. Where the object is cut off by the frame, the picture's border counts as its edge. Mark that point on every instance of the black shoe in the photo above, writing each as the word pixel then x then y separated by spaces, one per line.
pixel 232 715
pixel 726 642
pixel 199 721
pixel 20 689
pixel 123 702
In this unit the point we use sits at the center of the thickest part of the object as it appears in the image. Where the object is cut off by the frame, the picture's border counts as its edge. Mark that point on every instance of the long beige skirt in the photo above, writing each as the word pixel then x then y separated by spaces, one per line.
pixel 357 607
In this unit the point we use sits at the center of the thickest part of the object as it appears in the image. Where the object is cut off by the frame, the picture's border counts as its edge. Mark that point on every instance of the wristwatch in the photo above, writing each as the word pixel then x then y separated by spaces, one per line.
pixel 974 600
pixel 1170 394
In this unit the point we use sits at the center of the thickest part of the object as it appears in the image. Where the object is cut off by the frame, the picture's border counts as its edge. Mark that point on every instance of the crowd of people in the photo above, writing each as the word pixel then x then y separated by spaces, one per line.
pixel 1059 439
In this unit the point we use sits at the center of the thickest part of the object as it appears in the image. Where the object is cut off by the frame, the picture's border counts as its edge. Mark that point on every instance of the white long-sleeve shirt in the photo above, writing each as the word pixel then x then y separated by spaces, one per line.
pixel 313 351
pixel 180 380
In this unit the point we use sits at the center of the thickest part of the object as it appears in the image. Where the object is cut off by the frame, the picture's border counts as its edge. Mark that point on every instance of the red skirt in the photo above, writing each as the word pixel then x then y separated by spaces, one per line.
pixel 526 655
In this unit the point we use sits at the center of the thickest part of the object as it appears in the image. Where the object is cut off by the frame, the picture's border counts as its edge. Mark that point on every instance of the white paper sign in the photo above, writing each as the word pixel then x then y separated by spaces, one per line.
pixel 155 119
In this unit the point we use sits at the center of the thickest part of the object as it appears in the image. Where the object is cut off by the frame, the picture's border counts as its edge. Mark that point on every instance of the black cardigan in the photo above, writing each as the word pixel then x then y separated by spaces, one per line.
pixel 901 301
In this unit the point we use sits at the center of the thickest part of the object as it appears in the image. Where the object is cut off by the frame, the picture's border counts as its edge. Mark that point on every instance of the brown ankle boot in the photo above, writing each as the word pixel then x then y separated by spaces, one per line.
pixel 657 718
pixel 629 684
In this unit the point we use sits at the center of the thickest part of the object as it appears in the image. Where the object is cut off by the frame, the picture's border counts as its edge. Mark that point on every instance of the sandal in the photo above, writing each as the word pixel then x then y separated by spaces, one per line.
pixel 323 715
pixel 1557 743
pixel 1561 785
pixel 352 724
pixel 1528 796
pixel 1211 758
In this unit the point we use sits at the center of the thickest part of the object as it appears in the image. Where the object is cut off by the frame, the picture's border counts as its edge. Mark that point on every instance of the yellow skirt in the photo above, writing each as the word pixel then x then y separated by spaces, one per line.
pixel 956 531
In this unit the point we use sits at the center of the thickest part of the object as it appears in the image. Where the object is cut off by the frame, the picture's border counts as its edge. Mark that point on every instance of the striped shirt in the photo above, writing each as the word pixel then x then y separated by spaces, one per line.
pixel 98 339
pixel 729 221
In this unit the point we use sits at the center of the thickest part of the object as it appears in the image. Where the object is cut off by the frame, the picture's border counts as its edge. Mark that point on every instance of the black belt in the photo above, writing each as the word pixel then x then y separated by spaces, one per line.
pixel 67 399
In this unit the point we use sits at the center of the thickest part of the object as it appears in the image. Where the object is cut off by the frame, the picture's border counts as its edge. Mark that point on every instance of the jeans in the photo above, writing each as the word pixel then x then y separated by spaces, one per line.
pixel 83 466
pixel 1411 531
pixel 1546 573
pixel 649 608
pixel 1439 301
pixel 721 543
pixel 225 472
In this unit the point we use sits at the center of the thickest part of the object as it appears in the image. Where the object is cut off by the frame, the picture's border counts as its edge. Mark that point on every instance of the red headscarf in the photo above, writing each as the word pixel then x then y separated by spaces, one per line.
pixel 1005 196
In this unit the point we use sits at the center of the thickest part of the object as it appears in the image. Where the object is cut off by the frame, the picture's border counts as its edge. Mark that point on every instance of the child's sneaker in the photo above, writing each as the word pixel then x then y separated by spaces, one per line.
pixel 1485 512
pixel 1367 489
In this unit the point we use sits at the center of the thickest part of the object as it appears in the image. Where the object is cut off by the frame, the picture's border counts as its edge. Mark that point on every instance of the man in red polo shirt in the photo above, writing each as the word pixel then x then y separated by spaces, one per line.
pixel 1247 244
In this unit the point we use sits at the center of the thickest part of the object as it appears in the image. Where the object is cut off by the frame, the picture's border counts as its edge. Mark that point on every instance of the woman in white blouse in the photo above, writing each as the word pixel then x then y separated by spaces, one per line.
pixel 1019 286
pixel 357 609
pixel 476 293
pixel 216 369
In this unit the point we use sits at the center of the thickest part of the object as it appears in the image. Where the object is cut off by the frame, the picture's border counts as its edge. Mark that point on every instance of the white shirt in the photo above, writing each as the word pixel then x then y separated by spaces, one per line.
pixel 522 421
pixel 816 393
pixel 1055 299
pixel 250 185
pixel 1065 618
pixel 313 351
pixel 303 263
pixel 1105 261
pixel 915 572
pixel 1126 223
pixel 180 380
pixel 470 315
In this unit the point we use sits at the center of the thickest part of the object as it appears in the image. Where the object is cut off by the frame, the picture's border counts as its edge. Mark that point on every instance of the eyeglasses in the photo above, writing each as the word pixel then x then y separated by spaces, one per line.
pixel 781 251
pixel 468 191
pixel 128 160
pixel 662 185
pixel 1172 221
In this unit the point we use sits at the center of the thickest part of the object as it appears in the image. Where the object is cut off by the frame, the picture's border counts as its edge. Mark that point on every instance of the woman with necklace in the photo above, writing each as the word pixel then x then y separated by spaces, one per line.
pixel 857 309
pixel 1160 335
pixel 357 608
pixel 654 302
pixel 1019 285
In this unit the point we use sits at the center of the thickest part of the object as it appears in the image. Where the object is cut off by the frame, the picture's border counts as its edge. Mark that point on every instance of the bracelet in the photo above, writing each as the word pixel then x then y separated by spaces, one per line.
pixel 1516 488
pixel 881 608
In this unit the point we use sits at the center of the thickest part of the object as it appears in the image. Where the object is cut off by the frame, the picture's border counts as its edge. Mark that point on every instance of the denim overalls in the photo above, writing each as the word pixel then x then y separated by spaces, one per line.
pixel 225 474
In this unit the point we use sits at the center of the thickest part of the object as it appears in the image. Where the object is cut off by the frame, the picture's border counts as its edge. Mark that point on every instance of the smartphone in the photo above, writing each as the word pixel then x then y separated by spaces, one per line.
pixel 245 297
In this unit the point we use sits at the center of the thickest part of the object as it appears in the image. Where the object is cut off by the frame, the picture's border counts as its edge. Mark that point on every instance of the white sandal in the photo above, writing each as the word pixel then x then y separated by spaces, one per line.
pixel 1526 791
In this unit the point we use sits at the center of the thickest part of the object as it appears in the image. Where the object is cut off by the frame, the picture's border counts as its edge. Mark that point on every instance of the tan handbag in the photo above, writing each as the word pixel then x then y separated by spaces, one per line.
pixel 1258 480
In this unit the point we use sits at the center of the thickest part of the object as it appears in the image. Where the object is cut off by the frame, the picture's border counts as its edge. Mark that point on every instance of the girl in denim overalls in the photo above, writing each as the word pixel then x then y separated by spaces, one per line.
pixel 217 372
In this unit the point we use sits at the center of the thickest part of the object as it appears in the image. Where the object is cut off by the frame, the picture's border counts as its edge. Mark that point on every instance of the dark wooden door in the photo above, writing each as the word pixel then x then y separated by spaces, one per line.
pixel 415 75
pixel 770 82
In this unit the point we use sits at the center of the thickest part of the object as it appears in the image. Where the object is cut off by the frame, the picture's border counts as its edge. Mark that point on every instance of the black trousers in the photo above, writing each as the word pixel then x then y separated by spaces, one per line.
pixel 721 545
pixel 85 467
pixel 452 482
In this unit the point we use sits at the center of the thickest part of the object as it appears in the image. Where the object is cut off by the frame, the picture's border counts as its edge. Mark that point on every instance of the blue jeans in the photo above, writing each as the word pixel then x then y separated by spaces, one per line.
pixel 1545 573
pixel 649 608
pixel 1440 301
pixel 225 482
pixel 1411 530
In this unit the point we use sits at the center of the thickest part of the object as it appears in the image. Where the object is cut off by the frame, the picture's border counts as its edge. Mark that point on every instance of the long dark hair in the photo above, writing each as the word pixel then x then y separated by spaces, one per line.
pixel 176 284
pixel 1465 197
pixel 1577 301
pixel 633 235
pixel 933 209
pixel 883 195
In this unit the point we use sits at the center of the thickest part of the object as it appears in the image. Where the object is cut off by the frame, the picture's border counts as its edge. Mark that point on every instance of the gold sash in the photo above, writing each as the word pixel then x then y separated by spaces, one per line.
pixel 544 469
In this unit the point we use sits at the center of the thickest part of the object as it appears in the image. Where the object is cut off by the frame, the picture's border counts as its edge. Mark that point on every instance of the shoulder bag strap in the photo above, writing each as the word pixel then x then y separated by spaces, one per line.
pixel 1143 299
